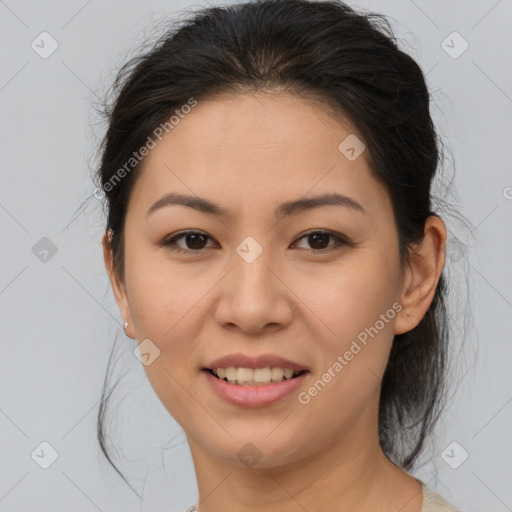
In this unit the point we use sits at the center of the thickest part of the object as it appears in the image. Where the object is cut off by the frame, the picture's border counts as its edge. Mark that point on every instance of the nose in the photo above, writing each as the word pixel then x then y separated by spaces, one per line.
pixel 254 297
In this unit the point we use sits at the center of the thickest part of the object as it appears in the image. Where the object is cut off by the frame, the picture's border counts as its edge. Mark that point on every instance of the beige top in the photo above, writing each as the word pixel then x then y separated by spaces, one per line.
pixel 432 502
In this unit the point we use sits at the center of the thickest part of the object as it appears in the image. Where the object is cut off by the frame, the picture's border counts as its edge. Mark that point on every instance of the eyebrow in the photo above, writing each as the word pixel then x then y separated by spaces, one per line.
pixel 283 210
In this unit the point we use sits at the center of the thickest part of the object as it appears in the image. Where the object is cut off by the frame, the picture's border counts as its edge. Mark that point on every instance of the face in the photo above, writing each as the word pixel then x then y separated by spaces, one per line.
pixel 320 286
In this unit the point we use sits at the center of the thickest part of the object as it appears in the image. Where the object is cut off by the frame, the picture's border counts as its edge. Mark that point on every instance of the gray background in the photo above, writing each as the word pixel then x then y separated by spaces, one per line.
pixel 58 317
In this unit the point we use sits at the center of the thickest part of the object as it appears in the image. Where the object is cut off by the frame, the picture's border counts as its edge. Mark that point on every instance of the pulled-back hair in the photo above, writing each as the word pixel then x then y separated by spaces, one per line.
pixel 352 63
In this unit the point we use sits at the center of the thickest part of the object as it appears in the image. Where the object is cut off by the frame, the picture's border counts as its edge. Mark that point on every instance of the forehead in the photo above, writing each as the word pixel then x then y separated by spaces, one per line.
pixel 256 148
pixel 266 122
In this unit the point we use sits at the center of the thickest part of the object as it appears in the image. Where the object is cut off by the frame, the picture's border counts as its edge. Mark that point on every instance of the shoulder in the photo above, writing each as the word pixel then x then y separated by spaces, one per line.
pixel 433 502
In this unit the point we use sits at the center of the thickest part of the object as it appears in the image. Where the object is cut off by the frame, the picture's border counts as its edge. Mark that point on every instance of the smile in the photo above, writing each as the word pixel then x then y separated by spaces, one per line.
pixel 249 393
pixel 254 376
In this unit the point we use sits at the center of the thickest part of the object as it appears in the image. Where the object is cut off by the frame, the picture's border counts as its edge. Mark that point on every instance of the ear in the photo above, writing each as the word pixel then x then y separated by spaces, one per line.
pixel 422 275
pixel 117 284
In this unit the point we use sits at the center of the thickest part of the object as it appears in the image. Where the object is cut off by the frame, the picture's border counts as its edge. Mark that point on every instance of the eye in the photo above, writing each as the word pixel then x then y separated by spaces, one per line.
pixel 318 238
pixel 195 241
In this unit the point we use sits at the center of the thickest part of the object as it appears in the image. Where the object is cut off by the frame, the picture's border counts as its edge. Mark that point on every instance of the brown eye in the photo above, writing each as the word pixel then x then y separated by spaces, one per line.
pixel 319 240
pixel 194 242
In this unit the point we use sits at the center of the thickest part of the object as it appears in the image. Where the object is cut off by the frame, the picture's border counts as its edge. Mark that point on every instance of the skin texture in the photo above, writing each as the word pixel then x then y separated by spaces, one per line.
pixel 249 153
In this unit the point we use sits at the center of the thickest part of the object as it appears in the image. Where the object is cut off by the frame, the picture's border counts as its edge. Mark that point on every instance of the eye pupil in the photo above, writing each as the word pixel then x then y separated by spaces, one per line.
pixel 195 237
pixel 316 235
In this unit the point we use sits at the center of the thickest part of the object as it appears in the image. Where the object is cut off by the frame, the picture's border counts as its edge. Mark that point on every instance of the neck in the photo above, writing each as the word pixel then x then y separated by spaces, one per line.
pixel 350 473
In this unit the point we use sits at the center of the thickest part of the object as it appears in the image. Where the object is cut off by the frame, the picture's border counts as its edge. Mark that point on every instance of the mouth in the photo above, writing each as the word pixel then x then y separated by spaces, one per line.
pixel 248 387
pixel 254 376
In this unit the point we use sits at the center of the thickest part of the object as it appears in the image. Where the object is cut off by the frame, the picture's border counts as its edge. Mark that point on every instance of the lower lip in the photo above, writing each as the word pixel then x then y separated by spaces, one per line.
pixel 254 396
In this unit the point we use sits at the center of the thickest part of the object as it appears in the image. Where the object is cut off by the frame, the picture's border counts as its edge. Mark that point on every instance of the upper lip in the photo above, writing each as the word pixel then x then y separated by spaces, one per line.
pixel 261 361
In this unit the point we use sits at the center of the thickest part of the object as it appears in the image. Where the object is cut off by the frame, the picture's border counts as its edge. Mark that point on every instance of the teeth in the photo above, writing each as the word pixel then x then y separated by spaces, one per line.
pixel 288 373
pixel 262 375
pixel 254 376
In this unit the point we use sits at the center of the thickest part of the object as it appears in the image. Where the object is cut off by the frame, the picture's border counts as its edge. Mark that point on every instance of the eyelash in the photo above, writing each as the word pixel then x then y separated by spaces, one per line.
pixel 171 242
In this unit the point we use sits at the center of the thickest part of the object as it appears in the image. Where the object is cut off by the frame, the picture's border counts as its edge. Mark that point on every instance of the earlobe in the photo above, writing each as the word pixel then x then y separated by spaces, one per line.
pixel 424 270
pixel 118 287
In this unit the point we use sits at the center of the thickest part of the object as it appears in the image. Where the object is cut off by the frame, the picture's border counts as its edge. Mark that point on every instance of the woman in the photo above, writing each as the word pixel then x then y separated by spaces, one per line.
pixel 271 245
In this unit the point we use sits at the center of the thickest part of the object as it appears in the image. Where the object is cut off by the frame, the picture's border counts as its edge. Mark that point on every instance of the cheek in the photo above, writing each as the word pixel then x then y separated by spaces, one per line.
pixel 167 310
pixel 358 305
pixel 352 361
pixel 355 297
pixel 166 306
